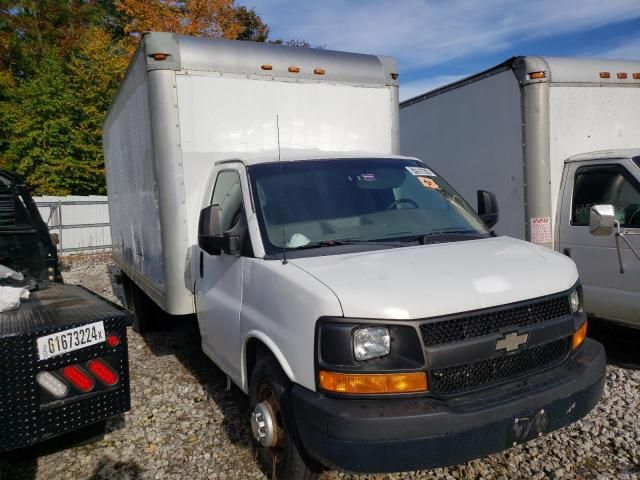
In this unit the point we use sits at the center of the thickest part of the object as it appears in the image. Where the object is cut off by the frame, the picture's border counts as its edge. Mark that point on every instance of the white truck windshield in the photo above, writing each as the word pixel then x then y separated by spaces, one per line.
pixel 318 203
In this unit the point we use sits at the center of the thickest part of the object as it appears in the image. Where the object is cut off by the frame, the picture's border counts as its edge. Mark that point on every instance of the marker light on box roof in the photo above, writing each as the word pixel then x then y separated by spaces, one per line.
pixel 621 75
pixel 605 75
pixel 537 75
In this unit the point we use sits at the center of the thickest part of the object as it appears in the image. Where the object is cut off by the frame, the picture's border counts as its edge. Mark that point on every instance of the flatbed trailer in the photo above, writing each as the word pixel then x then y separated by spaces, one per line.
pixel 63 351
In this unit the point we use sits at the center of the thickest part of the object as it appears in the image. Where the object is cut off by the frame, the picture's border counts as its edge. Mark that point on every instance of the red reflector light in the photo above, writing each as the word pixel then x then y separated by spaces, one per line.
pixel 103 372
pixel 78 378
pixel 113 340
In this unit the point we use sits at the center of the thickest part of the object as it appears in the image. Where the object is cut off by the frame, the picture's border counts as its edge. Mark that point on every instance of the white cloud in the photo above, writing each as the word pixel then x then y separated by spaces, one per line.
pixel 423 33
pixel 414 88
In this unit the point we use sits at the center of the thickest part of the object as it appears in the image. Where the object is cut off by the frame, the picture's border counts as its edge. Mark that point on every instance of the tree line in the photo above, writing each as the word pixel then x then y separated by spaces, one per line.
pixel 60 64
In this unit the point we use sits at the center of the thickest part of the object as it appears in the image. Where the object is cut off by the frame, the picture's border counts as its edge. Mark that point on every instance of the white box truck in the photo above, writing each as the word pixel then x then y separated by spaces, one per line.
pixel 524 130
pixel 366 310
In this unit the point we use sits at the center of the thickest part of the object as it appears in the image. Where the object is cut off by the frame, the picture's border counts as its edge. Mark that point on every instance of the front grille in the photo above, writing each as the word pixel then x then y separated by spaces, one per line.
pixel 493 321
pixel 493 370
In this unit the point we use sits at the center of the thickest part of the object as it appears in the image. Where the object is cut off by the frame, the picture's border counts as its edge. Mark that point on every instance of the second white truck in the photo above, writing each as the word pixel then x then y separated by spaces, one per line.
pixel 552 137
pixel 368 312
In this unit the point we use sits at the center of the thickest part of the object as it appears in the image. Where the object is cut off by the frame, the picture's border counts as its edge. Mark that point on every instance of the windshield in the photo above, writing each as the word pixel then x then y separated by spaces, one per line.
pixel 304 204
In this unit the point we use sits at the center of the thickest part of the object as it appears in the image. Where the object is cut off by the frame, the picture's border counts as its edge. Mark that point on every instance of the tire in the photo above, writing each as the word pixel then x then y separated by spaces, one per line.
pixel 269 383
pixel 142 307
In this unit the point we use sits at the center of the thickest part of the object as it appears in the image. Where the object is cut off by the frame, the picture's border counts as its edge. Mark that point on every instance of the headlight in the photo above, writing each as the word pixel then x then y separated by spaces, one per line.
pixel 574 300
pixel 371 342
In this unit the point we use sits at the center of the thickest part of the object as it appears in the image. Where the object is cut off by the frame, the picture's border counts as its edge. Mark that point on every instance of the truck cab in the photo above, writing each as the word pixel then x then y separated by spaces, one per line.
pixel 599 228
pixel 371 315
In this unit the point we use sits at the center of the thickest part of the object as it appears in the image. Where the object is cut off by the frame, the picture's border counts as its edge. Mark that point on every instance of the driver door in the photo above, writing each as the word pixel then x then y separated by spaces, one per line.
pixel 608 292
pixel 218 285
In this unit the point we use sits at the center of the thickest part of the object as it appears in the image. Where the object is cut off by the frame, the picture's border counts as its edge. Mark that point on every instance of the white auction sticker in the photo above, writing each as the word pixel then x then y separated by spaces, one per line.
pixel 69 340
pixel 541 229
pixel 420 171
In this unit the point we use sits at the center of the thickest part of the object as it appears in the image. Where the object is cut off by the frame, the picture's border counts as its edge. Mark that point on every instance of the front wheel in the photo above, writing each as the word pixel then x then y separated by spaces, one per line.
pixel 272 425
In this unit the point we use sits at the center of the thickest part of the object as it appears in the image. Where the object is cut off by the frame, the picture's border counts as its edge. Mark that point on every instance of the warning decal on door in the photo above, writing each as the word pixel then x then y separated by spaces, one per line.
pixel 540 229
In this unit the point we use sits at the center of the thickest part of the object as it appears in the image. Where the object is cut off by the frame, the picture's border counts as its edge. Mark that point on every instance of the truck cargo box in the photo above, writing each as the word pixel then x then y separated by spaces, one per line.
pixel 509 130
pixel 188 102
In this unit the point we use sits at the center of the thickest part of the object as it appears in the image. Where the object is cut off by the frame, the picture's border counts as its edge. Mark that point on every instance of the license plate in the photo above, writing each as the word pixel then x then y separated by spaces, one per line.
pixel 69 340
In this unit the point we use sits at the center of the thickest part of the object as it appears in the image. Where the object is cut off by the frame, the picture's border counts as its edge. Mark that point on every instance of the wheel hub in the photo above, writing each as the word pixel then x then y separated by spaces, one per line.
pixel 263 425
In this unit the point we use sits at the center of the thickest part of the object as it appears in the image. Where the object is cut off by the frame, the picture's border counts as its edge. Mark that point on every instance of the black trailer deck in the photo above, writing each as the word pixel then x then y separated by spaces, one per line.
pixel 63 364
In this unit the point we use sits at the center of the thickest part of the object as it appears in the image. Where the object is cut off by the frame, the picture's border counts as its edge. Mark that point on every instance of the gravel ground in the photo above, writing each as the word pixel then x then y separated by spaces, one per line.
pixel 183 424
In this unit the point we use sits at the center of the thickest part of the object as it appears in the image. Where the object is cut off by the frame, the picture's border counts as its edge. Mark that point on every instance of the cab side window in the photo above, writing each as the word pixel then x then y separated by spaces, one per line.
pixel 605 185
pixel 227 193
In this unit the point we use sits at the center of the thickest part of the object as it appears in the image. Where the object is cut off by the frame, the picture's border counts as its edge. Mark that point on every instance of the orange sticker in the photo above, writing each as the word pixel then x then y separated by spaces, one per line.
pixel 429 183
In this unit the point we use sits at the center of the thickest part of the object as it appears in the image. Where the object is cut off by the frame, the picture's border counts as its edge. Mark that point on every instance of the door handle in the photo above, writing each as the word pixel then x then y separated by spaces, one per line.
pixel 201 264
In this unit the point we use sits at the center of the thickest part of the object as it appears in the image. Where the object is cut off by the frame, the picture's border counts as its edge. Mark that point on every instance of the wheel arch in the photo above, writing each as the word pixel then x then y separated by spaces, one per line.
pixel 255 346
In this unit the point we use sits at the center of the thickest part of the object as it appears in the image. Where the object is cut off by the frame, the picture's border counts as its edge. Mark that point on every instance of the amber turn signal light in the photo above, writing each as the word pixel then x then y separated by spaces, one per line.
pixel 579 336
pixel 373 383
pixel 537 75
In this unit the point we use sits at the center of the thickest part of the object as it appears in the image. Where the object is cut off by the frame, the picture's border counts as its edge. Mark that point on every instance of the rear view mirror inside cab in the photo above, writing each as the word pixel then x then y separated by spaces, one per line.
pixel 380 178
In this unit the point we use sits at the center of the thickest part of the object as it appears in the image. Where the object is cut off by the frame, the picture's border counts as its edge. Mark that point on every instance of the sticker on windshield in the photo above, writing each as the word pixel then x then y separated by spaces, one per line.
pixel 368 177
pixel 420 171
pixel 429 183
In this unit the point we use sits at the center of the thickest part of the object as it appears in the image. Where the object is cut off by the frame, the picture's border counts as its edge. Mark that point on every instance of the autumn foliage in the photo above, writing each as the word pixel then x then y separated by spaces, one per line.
pixel 60 65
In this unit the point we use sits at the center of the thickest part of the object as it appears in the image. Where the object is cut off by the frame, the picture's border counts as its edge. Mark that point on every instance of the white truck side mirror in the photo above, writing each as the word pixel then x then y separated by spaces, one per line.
pixel 602 220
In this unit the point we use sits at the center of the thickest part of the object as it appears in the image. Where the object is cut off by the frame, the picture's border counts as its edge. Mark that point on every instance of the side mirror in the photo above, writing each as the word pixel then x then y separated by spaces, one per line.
pixel 487 208
pixel 211 238
pixel 602 220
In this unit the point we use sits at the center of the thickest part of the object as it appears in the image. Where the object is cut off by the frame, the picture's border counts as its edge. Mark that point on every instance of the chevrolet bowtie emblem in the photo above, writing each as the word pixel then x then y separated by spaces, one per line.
pixel 512 341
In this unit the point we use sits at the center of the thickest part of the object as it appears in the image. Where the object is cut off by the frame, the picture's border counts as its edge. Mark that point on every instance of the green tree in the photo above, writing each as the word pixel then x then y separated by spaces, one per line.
pixel 60 64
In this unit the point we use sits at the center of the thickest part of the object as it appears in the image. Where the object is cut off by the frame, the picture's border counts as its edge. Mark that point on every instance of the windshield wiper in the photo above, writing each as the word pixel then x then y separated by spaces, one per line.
pixel 427 237
pixel 345 241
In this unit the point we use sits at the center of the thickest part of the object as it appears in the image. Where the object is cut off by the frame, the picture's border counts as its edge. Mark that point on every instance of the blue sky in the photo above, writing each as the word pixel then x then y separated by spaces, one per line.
pixel 439 41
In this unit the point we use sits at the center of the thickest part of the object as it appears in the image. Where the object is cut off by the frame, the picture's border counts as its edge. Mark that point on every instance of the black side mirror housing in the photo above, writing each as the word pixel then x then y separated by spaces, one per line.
pixel 488 208
pixel 212 239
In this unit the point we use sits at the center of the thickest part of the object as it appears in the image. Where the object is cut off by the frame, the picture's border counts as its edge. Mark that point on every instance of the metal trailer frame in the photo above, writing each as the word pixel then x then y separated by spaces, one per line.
pixel 535 118
pixel 148 98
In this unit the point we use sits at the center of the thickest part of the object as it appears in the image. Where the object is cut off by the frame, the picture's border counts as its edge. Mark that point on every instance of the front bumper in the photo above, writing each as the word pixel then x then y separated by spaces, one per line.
pixel 401 434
